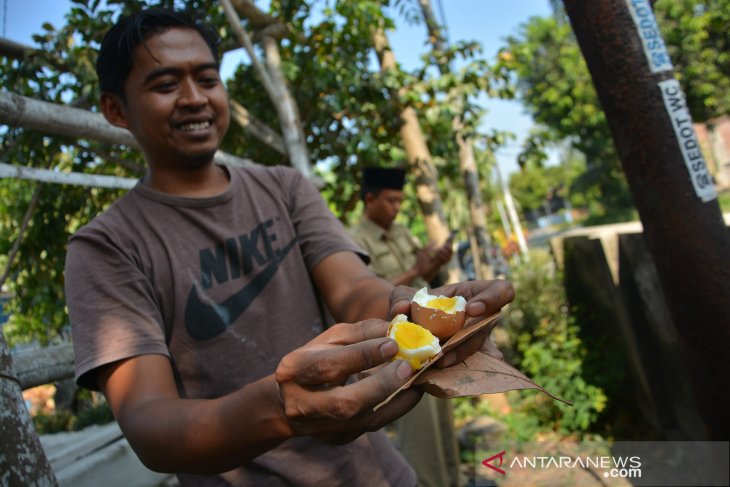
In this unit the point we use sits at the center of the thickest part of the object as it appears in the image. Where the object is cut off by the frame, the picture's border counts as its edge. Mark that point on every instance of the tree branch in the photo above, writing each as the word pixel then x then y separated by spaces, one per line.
pixel 23 227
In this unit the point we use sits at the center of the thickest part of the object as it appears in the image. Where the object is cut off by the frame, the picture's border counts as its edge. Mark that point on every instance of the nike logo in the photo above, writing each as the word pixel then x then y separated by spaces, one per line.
pixel 207 320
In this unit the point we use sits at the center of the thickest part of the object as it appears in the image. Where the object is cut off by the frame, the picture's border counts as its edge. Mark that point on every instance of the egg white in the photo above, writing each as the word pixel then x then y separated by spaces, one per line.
pixel 423 298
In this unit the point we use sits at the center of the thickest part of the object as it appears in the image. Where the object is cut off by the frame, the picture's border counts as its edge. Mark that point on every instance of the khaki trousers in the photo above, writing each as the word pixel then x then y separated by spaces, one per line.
pixel 425 436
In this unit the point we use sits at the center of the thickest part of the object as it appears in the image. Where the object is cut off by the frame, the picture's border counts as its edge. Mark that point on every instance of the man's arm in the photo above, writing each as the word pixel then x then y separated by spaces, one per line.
pixel 428 262
pixel 350 289
pixel 307 396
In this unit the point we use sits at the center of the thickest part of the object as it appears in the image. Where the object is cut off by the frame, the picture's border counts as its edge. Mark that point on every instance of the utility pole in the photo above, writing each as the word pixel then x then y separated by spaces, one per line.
pixel 512 212
pixel 672 189
pixel 506 226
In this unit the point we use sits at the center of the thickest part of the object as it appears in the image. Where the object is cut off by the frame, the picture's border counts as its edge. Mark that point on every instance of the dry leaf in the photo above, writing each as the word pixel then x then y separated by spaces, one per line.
pixel 479 374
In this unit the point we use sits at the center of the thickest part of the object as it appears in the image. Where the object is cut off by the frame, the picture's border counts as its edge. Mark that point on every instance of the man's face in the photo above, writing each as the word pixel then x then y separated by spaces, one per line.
pixel 176 106
pixel 383 208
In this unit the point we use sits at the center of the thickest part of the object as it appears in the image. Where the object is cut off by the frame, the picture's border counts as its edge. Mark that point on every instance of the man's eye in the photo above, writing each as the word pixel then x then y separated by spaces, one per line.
pixel 209 80
pixel 165 86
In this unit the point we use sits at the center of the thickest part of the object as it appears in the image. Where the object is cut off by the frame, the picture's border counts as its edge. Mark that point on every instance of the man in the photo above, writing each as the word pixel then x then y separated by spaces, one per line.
pixel 426 434
pixel 396 255
pixel 197 299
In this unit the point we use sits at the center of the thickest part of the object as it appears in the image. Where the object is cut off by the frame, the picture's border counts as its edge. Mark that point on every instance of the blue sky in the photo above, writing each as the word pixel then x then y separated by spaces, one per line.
pixel 487 21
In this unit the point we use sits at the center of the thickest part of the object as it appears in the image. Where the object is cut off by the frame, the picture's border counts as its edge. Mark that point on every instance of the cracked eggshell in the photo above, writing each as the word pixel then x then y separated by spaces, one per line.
pixel 441 315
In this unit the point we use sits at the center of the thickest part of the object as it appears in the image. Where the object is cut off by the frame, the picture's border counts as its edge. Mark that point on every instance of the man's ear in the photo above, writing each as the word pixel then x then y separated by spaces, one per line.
pixel 113 109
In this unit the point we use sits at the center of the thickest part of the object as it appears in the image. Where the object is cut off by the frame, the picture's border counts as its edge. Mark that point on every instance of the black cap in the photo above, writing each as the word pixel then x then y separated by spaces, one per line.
pixel 383 178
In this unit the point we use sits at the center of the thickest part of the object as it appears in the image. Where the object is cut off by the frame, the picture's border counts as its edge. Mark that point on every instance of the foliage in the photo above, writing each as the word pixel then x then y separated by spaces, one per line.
pixel 698 42
pixel 549 350
pixel 97 412
pixel 552 81
pixel 546 346
pixel 349 112
pixel 348 109
pixel 60 70
pixel 724 201
pixel 554 84
pixel 535 184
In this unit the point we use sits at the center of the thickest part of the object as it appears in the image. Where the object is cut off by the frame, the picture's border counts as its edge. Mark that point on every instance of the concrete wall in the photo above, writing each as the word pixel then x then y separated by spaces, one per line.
pixel 98 456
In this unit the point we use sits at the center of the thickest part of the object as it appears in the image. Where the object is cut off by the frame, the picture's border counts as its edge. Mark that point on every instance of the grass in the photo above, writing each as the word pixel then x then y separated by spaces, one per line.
pixel 724 200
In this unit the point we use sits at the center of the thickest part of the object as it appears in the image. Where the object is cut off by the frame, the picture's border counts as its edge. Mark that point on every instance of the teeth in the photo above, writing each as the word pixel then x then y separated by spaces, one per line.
pixel 190 127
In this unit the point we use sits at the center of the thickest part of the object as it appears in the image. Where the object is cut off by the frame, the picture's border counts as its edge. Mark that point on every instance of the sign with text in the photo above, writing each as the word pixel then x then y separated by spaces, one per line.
pixel 651 38
pixel 676 106
pixel 572 463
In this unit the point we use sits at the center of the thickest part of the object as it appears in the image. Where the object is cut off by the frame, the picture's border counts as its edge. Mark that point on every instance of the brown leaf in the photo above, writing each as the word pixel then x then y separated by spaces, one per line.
pixel 479 374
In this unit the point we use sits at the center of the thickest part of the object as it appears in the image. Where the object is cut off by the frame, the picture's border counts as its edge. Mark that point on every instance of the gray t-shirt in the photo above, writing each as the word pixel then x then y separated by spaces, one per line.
pixel 221 286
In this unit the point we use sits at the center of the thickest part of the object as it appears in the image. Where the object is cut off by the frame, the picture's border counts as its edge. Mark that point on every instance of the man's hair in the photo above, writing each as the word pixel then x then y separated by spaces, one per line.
pixel 375 179
pixel 365 190
pixel 117 47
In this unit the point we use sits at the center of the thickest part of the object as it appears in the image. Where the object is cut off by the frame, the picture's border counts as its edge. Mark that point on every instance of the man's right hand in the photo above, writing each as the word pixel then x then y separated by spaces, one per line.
pixel 430 259
pixel 426 263
pixel 317 399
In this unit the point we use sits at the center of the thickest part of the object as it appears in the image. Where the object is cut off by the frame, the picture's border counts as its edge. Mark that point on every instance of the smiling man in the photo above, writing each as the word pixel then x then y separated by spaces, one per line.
pixel 197 300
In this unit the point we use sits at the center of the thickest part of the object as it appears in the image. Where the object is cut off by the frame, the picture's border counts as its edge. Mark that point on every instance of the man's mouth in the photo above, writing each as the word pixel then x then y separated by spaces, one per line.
pixel 194 126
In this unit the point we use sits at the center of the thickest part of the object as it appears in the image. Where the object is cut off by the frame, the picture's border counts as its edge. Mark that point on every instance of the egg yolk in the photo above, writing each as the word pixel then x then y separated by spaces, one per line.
pixel 410 338
pixel 444 304
pixel 411 335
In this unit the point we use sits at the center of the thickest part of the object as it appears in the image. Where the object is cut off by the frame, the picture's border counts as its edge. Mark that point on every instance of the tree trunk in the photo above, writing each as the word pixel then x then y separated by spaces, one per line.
pixel 291 124
pixel 22 459
pixel 480 241
pixel 257 128
pixel 419 157
pixel 275 85
pixel 683 226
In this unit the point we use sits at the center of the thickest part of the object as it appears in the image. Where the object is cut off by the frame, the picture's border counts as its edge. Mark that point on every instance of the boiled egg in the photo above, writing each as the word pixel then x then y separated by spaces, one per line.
pixel 441 315
pixel 416 344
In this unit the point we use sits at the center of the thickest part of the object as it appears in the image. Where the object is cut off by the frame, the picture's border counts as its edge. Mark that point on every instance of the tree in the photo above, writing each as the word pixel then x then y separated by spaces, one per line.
pixel 59 70
pixel 350 119
pixel 480 242
pixel 698 42
pixel 23 461
pixel 553 82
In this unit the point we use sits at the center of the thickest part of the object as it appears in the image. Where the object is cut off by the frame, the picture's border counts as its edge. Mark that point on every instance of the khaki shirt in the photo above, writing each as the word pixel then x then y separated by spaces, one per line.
pixel 392 252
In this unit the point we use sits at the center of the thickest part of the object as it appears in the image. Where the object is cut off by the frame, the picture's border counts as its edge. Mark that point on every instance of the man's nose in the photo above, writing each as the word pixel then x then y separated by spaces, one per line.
pixel 192 94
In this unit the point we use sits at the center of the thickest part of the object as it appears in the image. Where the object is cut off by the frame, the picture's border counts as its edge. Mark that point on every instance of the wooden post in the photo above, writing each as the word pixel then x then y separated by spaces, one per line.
pixel 670 184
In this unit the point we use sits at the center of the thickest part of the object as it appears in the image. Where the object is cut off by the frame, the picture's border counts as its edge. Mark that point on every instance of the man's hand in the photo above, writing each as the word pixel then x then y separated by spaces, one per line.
pixel 317 398
pixel 484 298
pixel 431 258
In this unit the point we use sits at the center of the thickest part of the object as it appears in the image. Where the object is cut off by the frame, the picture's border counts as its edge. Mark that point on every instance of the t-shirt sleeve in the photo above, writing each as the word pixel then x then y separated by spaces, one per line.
pixel 111 305
pixel 320 234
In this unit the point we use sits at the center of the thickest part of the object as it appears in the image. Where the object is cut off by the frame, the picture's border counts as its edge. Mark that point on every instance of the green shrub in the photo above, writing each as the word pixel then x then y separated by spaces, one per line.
pixel 548 349
pixel 92 411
